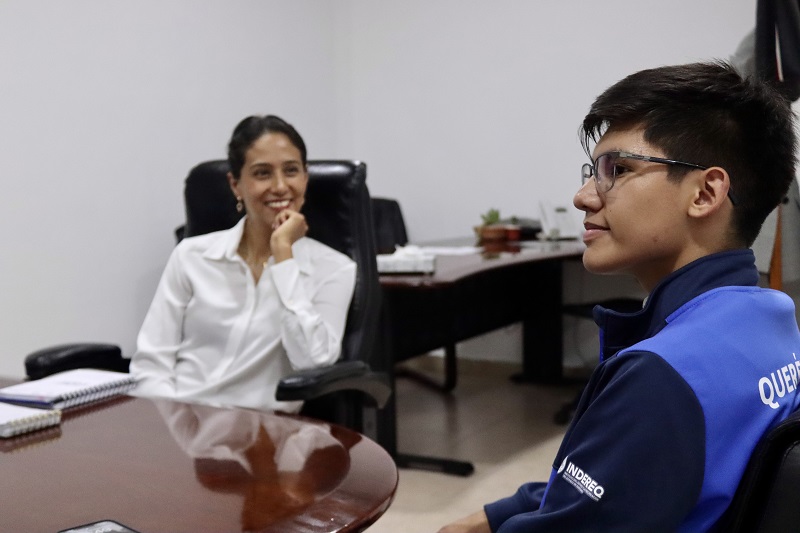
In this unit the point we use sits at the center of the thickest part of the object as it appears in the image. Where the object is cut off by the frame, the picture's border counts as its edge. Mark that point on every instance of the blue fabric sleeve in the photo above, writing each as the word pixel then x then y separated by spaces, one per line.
pixel 529 496
pixel 632 460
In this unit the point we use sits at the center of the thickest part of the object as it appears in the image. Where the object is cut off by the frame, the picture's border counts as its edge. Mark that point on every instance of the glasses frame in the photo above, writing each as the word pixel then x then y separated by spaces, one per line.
pixel 588 169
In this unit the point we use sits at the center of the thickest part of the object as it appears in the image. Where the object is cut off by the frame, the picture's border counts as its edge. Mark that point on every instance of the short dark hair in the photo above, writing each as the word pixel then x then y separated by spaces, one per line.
pixel 709 115
pixel 251 129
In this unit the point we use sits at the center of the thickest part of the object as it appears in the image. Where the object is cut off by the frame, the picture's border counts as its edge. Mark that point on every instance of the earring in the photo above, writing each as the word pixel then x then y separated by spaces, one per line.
pixel 239 204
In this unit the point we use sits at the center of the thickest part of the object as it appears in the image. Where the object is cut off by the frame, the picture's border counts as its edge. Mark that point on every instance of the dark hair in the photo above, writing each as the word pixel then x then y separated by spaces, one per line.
pixel 707 114
pixel 251 129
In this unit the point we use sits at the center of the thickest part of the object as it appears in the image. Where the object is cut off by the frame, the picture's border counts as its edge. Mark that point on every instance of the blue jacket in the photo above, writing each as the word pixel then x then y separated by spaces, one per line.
pixel 684 390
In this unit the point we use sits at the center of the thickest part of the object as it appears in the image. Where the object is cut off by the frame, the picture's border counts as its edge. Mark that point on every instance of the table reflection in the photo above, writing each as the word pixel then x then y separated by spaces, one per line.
pixel 279 465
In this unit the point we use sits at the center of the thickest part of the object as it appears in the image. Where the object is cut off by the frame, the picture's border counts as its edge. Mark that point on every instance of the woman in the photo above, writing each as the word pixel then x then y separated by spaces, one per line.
pixel 237 310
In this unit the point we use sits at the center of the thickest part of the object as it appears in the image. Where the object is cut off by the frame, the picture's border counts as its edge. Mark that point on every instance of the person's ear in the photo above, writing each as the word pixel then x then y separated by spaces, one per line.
pixel 709 191
pixel 234 185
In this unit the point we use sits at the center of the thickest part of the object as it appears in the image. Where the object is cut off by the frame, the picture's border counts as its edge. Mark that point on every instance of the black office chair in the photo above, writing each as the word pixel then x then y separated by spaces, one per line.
pixel 338 212
pixel 390 227
pixel 767 500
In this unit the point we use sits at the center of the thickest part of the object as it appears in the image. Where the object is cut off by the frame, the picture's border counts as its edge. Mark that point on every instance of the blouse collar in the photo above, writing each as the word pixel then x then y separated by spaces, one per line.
pixel 227 246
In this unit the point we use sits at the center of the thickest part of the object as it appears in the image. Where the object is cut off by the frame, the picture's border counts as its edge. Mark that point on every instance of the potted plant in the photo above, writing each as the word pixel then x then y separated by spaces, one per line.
pixel 491 229
pixel 513 229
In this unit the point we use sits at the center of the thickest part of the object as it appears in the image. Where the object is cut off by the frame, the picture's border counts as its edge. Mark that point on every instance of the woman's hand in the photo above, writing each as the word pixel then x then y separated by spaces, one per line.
pixel 289 226
pixel 474 523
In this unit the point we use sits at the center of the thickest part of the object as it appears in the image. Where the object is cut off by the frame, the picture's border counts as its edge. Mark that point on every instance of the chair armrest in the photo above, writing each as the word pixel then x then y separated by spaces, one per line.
pixel 78 355
pixel 345 375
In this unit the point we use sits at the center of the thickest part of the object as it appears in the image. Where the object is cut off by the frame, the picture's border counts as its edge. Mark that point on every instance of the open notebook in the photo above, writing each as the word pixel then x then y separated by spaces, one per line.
pixel 69 388
pixel 18 419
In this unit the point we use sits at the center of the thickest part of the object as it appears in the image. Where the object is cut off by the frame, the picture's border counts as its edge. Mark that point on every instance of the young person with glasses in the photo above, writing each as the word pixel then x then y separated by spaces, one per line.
pixel 687 163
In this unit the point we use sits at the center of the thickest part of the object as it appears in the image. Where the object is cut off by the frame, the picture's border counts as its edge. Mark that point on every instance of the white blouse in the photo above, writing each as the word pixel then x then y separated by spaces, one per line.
pixel 212 335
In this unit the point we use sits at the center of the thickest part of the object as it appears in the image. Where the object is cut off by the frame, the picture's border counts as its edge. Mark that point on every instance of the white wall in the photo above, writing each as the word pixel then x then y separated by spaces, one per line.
pixel 463 105
pixel 456 106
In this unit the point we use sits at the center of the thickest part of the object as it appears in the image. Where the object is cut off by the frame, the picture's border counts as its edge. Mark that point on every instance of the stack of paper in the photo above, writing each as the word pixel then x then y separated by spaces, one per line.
pixel 406 259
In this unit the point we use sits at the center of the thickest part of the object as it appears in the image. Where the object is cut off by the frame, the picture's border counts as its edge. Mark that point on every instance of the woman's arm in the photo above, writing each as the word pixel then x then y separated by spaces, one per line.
pixel 153 364
pixel 312 325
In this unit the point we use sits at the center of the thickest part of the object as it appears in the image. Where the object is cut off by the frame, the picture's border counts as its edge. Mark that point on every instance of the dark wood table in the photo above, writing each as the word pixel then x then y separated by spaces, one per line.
pixel 163 466
pixel 469 295
pixel 472 294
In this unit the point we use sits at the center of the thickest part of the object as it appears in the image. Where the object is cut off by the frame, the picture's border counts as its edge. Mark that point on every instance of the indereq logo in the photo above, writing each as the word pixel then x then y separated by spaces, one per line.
pixel 579 479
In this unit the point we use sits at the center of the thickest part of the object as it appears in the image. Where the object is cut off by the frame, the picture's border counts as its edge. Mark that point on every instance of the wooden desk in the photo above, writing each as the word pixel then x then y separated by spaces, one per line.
pixel 162 466
pixel 470 295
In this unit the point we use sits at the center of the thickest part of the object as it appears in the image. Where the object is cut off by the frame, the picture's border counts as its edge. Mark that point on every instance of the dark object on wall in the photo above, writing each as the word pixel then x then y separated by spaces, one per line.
pixel 777 44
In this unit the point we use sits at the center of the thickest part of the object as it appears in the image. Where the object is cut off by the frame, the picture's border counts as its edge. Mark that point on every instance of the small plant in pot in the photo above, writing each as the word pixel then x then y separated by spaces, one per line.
pixel 491 229
pixel 513 229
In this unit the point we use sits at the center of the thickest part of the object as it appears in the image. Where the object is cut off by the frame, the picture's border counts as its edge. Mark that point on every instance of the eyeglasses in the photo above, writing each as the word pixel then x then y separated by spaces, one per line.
pixel 606 167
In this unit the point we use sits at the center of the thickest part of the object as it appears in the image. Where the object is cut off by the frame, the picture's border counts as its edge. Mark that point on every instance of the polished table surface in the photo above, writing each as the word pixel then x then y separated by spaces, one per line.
pixel 163 466
pixel 450 269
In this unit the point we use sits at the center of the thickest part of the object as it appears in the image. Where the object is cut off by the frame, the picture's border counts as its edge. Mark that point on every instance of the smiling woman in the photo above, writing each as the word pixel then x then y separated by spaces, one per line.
pixel 269 180
pixel 237 310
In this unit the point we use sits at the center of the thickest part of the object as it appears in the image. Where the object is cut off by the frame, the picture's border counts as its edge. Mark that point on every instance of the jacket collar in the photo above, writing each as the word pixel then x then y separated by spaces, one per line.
pixel 225 248
pixel 621 330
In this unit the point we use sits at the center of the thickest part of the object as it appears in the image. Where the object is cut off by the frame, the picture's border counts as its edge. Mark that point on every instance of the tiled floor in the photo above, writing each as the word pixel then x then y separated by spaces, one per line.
pixel 505 430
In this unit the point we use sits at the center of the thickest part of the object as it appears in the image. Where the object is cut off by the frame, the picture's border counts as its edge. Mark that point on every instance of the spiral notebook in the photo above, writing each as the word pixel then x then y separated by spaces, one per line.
pixel 18 419
pixel 69 388
pixel 33 438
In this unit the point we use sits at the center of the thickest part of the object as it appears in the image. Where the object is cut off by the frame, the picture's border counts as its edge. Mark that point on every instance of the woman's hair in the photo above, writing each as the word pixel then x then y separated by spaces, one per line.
pixel 251 129
pixel 708 114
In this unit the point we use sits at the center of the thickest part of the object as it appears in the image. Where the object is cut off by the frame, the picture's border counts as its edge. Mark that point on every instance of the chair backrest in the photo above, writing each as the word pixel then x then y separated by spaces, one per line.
pixel 390 228
pixel 208 200
pixel 768 499
pixel 338 211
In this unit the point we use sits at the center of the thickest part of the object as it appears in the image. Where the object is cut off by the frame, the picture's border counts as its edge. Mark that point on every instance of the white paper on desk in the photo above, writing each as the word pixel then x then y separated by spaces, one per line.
pixel 450 250
pixel 406 259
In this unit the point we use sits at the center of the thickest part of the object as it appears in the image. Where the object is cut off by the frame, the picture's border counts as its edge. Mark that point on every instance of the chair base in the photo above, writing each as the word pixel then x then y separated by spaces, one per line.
pixel 450 373
pixel 434 464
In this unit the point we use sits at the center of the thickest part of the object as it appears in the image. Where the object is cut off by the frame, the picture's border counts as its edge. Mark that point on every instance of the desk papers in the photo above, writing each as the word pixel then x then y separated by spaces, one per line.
pixel 406 260
pixel 413 259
